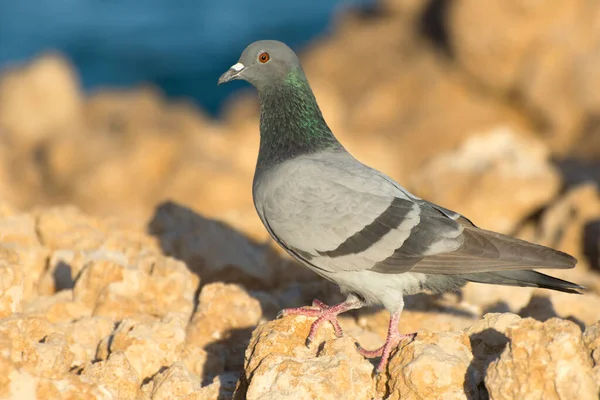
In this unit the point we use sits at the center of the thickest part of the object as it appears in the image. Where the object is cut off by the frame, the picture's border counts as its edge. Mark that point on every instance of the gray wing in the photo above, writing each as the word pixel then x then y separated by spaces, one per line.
pixel 339 215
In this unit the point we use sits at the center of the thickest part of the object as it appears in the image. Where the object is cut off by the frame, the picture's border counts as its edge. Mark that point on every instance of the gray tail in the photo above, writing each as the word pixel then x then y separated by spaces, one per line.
pixel 527 278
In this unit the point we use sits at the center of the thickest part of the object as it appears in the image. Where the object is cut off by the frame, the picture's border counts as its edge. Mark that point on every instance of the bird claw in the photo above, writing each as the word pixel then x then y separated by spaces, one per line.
pixel 384 351
pixel 322 312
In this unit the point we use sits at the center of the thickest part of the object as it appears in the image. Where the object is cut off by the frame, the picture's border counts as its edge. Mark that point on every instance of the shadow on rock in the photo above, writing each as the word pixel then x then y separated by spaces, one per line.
pixel 213 250
pixel 236 278
pixel 486 346
pixel 229 351
pixel 541 309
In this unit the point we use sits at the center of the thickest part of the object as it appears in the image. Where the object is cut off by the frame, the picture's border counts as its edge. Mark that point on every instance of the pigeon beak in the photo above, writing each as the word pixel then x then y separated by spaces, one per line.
pixel 232 73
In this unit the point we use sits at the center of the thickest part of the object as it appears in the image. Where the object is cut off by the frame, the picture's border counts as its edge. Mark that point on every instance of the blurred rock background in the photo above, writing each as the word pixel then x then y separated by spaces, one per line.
pixel 489 108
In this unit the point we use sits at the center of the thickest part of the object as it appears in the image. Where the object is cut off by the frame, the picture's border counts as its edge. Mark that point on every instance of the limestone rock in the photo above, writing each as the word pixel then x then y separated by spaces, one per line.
pixel 488 339
pixel 70 387
pixel 58 308
pixel 591 339
pixel 433 366
pixel 83 337
pixel 151 344
pixel 68 227
pixel 116 375
pixel 202 363
pixel 543 361
pixel 496 179
pixel 154 285
pixel 11 283
pixel 176 382
pixel 225 317
pixel 279 365
pixel 20 334
pixel 205 245
pixel 49 358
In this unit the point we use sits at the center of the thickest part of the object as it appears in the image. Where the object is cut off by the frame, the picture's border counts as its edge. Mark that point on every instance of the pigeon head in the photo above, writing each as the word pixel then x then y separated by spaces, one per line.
pixel 262 64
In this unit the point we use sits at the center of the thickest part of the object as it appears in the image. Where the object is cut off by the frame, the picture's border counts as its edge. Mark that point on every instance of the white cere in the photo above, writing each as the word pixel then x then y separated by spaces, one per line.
pixel 237 67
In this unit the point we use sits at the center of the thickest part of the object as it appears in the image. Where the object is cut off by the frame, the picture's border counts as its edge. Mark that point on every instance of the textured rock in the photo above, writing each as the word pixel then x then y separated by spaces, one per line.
pixel 151 344
pixel 225 317
pixel 202 363
pixel 176 382
pixel 83 337
pixel 496 179
pixel 205 245
pixel 279 365
pixel 116 375
pixel 49 358
pixel 433 366
pixel 156 286
pixel 11 283
pixel 18 233
pixel 96 307
pixel 591 339
pixel 543 360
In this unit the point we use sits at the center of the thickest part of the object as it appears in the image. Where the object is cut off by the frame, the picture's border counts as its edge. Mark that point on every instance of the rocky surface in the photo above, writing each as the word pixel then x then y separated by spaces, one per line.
pixel 93 308
pixel 133 266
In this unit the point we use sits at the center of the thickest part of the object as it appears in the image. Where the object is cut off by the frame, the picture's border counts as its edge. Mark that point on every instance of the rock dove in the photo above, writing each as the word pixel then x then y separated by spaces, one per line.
pixel 354 225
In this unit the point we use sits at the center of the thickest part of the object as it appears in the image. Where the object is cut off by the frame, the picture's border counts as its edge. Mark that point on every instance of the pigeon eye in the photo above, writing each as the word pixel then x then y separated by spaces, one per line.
pixel 264 57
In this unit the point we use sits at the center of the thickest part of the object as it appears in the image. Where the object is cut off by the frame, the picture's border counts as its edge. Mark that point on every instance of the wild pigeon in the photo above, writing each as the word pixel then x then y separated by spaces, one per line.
pixel 355 226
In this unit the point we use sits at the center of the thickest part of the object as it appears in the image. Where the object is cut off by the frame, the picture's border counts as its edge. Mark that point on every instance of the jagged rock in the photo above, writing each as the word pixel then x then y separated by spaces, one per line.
pixel 542 360
pixel 205 245
pixel 60 307
pixel 176 382
pixel 225 317
pixel 11 283
pixel 433 366
pixel 156 286
pixel 150 344
pixel 48 358
pixel 280 366
pixel 591 339
pixel 83 337
pixel 116 375
pixel 202 363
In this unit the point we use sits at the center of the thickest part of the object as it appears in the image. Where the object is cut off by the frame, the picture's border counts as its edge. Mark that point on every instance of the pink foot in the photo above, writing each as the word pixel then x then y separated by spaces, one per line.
pixel 394 337
pixel 384 351
pixel 323 313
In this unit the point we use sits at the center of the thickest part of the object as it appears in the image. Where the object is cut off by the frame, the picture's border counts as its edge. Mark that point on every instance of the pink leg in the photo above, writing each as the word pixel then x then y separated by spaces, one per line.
pixel 324 313
pixel 394 337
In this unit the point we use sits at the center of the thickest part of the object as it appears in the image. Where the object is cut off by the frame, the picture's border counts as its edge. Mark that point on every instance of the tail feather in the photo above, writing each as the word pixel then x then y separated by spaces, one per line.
pixel 527 278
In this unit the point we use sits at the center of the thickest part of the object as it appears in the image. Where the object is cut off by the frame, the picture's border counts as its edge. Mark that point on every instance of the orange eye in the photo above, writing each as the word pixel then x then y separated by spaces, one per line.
pixel 264 57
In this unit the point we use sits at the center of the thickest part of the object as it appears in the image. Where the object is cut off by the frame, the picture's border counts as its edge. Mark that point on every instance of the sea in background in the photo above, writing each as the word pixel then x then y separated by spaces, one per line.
pixel 181 46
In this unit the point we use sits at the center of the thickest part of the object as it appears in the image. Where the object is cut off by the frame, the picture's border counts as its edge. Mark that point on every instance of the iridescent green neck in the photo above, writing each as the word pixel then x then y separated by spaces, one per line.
pixel 291 123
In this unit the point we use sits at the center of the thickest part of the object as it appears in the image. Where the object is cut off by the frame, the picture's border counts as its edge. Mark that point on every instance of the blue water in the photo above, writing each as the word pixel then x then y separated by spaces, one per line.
pixel 180 45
